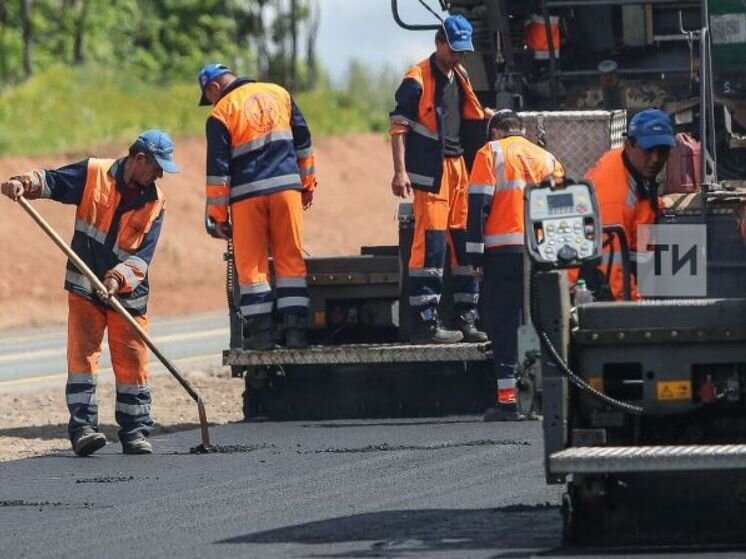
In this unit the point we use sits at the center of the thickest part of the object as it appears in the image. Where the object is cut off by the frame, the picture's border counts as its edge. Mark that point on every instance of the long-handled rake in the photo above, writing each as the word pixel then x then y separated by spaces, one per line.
pixel 117 306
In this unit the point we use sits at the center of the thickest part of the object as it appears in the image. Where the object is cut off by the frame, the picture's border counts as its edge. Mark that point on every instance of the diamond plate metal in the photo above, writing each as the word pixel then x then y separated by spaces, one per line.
pixel 607 459
pixel 359 354
pixel 577 138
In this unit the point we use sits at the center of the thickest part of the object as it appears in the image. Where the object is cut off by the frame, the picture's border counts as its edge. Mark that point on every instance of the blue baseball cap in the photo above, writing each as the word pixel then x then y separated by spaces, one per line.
pixel 458 33
pixel 208 73
pixel 651 128
pixel 158 144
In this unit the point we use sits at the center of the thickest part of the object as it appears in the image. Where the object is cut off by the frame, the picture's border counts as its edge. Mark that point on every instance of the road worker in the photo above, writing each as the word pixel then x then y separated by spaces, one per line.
pixel 495 238
pixel 117 225
pixel 260 178
pixel 536 40
pixel 627 191
pixel 432 101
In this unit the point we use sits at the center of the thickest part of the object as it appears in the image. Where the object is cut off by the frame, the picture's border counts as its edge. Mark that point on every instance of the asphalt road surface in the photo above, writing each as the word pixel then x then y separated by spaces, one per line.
pixel 445 488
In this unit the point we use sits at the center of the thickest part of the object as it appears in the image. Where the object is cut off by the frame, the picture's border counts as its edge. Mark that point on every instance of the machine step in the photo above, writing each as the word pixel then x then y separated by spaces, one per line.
pixel 607 459
pixel 359 354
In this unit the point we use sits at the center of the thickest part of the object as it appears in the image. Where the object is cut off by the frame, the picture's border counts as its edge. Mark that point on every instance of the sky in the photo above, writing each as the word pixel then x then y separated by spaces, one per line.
pixel 365 30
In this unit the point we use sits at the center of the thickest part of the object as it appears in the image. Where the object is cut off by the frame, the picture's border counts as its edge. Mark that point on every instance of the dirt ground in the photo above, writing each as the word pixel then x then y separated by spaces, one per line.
pixel 353 207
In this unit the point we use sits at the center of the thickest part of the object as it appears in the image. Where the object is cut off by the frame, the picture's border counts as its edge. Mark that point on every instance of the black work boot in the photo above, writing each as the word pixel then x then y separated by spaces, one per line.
pixel 138 445
pixel 261 337
pixel 433 332
pixel 296 326
pixel 86 441
pixel 466 323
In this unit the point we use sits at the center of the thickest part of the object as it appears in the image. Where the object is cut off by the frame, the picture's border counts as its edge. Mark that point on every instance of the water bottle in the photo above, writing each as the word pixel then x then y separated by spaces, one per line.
pixel 582 293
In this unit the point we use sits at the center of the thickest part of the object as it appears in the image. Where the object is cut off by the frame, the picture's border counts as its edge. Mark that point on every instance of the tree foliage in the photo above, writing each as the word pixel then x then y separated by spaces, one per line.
pixel 157 40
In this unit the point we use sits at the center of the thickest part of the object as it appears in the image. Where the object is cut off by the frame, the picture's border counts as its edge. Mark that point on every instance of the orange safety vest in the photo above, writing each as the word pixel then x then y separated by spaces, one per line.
pixel 424 143
pixel 535 36
pixel 264 160
pixel 93 221
pixel 501 171
pixel 619 204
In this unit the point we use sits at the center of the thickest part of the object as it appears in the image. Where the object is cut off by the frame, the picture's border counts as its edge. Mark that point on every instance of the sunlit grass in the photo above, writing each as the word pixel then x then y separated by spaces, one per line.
pixel 65 110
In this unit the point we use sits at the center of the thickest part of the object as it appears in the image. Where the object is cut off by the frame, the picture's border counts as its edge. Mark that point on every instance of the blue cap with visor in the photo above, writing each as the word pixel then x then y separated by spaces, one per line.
pixel 458 33
pixel 158 144
pixel 652 128
pixel 208 73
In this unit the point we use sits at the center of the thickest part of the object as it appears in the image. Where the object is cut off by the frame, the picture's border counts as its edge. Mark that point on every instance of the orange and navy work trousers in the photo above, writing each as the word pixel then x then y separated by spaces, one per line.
pixel 440 223
pixel 129 359
pixel 263 224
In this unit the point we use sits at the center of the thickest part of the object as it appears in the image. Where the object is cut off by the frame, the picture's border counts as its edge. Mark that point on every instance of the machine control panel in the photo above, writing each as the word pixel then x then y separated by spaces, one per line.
pixel 563 225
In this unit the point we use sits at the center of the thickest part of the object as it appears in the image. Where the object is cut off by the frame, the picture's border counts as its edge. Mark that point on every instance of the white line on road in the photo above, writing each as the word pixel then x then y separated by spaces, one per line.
pixel 59 376
pixel 42 353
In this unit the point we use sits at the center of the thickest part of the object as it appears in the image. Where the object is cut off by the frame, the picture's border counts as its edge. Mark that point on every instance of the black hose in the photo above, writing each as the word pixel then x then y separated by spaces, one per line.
pixel 578 382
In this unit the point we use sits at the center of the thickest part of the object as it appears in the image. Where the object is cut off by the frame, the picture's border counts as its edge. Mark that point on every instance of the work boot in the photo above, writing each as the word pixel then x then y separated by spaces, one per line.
pixel 466 323
pixel 296 326
pixel 86 441
pixel 138 445
pixel 261 337
pixel 433 332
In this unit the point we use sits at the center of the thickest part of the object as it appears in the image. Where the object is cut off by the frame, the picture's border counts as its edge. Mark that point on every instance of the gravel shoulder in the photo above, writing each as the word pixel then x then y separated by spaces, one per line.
pixel 33 418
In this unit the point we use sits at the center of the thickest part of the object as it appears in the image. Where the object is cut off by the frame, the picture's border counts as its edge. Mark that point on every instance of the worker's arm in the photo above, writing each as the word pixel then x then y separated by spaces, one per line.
pixel 304 153
pixel 126 276
pixel 64 185
pixel 481 192
pixel 218 177
pixel 401 186
pixel 402 118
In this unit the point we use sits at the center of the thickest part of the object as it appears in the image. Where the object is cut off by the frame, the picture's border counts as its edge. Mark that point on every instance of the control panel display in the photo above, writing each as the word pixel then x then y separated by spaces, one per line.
pixel 562 225
pixel 560 201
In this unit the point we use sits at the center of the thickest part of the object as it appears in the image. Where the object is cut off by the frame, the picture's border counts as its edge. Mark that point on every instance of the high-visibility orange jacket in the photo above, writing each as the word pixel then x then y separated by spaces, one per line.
pixel 501 171
pixel 620 203
pixel 535 36
pixel 114 235
pixel 257 143
pixel 417 116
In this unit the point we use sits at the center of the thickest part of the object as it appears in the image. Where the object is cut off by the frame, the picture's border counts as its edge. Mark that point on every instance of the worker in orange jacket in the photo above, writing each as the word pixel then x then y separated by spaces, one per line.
pixel 627 191
pixel 495 238
pixel 535 36
pixel 432 101
pixel 260 178
pixel 117 225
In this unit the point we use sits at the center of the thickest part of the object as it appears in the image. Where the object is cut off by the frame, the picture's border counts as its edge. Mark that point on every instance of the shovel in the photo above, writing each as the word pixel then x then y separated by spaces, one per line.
pixel 117 305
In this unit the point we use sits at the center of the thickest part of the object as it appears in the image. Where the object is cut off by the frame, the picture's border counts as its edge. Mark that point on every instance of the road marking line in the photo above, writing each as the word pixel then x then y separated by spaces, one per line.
pixel 41 353
pixel 59 376
pixel 47 333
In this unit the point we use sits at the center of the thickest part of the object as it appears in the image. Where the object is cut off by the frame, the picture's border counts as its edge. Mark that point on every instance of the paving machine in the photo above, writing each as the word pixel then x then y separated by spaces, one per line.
pixel 643 403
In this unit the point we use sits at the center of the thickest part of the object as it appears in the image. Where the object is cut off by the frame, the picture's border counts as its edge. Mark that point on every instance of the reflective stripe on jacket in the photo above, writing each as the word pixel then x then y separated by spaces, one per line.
pixel 417 116
pixel 112 238
pixel 257 143
pixel 535 36
pixel 501 171
pixel 619 204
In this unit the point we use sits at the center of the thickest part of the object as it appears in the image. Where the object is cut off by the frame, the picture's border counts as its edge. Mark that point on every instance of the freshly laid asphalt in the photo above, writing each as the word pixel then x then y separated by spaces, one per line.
pixel 453 487
pixel 445 487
